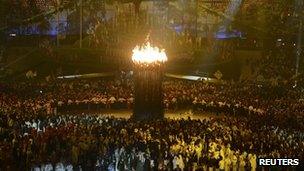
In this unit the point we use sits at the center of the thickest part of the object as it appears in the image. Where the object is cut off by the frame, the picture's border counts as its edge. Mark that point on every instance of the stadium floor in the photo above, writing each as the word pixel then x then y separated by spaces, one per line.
pixel 168 114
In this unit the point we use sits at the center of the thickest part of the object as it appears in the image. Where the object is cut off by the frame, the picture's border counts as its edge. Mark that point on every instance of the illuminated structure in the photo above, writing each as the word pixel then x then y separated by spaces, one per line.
pixel 148 75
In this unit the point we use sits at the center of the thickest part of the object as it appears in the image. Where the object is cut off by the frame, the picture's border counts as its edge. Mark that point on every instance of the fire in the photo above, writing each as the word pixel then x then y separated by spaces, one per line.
pixel 148 54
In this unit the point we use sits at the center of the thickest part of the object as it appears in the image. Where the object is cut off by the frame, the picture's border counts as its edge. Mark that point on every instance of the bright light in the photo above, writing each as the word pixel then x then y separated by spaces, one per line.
pixel 148 54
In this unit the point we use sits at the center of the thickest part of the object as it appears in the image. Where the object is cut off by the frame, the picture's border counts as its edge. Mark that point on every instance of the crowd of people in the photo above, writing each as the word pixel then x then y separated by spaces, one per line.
pixel 275 65
pixel 40 127
pixel 91 142
pixel 279 104
pixel 275 105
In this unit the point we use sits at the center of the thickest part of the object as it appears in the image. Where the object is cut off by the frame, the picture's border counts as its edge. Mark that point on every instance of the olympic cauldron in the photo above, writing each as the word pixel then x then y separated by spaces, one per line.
pixel 148 66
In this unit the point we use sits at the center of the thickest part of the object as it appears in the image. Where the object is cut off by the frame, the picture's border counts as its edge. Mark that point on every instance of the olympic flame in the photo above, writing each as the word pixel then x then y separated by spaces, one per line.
pixel 148 54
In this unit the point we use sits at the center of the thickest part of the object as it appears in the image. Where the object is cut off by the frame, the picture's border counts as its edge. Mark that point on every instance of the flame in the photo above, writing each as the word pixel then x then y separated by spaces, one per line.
pixel 148 54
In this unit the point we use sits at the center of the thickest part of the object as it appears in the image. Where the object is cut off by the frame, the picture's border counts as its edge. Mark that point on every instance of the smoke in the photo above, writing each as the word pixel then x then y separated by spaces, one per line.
pixel 231 11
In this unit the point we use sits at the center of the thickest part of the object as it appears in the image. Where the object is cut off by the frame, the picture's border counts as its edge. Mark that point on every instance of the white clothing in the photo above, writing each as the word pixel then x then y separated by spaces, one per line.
pixel 59 167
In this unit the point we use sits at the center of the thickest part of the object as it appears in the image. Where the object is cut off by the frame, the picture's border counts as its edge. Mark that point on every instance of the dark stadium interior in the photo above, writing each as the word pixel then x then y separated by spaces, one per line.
pixel 146 85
